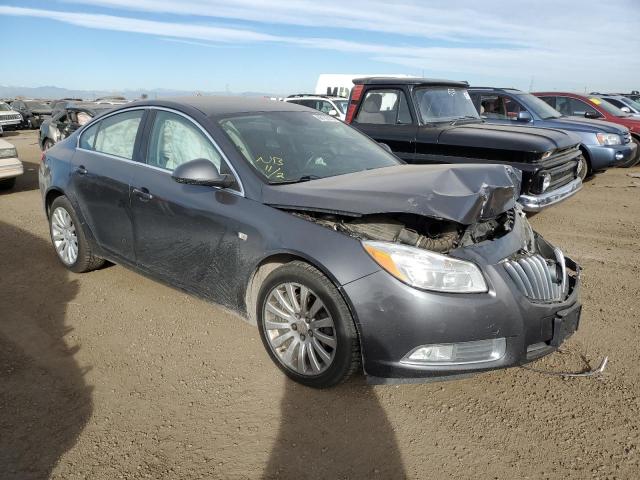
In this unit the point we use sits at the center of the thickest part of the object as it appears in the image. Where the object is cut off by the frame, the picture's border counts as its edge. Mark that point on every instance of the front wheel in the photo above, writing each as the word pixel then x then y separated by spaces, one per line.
pixel 69 240
pixel 306 326
pixel 48 143
pixel 7 183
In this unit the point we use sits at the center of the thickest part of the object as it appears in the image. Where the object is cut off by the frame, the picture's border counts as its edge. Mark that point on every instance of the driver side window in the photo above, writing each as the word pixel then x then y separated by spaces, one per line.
pixel 176 140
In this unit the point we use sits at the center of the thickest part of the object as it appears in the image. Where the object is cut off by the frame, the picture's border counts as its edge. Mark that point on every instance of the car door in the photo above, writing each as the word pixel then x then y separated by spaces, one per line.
pixel 102 173
pixel 385 116
pixel 185 234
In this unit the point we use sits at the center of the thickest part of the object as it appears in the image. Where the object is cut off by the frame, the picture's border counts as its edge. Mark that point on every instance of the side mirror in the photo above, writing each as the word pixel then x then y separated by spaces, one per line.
pixel 625 109
pixel 385 146
pixel 333 112
pixel 591 115
pixel 201 172
pixel 524 117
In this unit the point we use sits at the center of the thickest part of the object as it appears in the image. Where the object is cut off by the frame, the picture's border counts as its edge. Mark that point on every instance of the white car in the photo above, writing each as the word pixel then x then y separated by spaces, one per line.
pixel 8 117
pixel 10 165
pixel 334 106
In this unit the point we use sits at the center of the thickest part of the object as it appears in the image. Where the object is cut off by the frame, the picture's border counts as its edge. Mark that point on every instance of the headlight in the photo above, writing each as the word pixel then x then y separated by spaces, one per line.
pixel 608 139
pixel 8 152
pixel 427 270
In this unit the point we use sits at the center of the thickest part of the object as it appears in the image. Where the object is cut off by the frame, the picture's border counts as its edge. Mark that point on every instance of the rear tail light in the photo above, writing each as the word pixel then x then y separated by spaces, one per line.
pixel 356 93
pixel 42 157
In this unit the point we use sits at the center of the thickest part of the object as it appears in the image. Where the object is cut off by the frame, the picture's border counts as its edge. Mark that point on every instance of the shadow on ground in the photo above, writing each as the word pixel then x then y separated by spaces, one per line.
pixel 337 433
pixel 44 401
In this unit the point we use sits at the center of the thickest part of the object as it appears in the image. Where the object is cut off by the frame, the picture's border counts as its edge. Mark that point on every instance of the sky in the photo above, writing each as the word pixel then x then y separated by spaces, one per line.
pixel 281 46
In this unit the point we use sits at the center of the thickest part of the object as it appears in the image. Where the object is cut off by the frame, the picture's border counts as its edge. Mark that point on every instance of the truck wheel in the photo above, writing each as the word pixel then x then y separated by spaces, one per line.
pixel 7 183
pixel 68 238
pixel 585 168
pixel 306 326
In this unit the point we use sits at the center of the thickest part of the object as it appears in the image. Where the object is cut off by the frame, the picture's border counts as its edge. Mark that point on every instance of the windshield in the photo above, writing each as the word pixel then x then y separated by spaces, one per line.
pixel 37 106
pixel 445 104
pixel 342 105
pixel 608 107
pixel 4 107
pixel 540 107
pixel 632 103
pixel 289 147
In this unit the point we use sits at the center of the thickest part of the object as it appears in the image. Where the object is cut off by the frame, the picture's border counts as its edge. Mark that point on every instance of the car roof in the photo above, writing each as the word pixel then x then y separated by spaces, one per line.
pixel 222 105
pixel 497 89
pixel 408 81
pixel 319 97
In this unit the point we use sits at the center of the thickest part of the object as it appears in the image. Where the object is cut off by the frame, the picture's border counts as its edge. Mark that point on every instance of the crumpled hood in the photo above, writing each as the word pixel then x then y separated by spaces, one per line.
pixel 460 193
pixel 508 137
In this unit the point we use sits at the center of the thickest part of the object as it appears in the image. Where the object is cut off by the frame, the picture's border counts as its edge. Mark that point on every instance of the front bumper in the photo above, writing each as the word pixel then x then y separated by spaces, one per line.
pixel 603 157
pixel 537 203
pixel 10 123
pixel 394 319
pixel 10 167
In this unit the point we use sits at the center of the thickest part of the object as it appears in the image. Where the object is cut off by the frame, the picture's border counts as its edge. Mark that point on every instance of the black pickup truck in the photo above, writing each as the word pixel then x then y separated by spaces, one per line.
pixel 435 121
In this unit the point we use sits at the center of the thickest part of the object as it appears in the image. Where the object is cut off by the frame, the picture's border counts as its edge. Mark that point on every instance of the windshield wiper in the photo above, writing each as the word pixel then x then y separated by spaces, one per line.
pixel 466 117
pixel 303 178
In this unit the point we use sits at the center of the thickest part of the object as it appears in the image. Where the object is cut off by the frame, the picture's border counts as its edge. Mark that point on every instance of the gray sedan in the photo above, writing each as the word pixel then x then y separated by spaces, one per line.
pixel 346 258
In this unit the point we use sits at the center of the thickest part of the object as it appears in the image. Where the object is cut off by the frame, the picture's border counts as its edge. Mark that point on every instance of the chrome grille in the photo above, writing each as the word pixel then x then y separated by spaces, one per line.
pixel 537 278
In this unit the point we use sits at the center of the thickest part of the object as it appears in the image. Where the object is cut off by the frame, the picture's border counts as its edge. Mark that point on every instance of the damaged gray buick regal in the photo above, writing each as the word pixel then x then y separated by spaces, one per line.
pixel 344 256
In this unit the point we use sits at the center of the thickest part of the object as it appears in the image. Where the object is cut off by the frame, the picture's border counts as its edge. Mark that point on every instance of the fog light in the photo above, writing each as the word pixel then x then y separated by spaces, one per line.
pixel 546 181
pixel 458 353
pixel 619 156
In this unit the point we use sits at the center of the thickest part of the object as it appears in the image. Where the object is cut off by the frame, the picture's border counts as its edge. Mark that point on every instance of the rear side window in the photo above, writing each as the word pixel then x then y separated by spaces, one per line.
pixel 384 107
pixel 117 134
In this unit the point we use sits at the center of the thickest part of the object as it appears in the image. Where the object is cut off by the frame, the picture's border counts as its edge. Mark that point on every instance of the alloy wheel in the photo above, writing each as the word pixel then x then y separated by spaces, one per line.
pixel 299 329
pixel 64 236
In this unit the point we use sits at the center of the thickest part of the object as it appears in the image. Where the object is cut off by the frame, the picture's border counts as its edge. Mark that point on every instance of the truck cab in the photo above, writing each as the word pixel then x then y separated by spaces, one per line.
pixel 435 121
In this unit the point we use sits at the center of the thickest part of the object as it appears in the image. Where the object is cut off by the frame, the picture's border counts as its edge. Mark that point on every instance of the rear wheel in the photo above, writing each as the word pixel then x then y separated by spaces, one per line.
pixel 306 326
pixel 68 238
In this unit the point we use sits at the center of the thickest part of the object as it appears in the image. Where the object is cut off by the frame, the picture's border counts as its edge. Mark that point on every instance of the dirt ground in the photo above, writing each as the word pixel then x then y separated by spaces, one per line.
pixel 111 375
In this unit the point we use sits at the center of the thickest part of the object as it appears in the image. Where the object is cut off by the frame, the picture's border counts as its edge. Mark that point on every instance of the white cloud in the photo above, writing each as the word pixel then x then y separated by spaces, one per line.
pixel 566 44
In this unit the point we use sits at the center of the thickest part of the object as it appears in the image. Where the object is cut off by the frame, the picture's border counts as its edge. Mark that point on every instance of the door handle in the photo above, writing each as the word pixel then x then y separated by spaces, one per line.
pixel 142 193
pixel 81 170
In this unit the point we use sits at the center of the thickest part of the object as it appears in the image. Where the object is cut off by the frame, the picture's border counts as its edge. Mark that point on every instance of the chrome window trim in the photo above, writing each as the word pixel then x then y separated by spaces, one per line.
pixel 171 110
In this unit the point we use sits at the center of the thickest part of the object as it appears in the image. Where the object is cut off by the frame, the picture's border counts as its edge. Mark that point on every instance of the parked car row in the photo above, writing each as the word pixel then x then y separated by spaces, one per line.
pixel 399 247
pixel 32 113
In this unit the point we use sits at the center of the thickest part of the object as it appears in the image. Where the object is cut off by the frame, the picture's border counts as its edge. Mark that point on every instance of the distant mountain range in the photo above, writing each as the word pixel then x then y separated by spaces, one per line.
pixel 51 92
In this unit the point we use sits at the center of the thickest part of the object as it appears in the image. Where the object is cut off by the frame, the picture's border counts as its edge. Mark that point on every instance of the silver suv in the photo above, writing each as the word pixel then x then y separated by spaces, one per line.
pixel 334 106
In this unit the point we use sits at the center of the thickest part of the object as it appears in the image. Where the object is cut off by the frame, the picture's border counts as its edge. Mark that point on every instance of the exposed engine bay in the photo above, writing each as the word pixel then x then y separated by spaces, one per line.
pixel 432 234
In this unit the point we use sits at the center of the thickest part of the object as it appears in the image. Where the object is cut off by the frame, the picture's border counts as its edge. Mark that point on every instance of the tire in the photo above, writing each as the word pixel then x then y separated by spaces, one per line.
pixel 84 259
pixel 585 171
pixel 315 369
pixel 47 144
pixel 637 159
pixel 7 184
